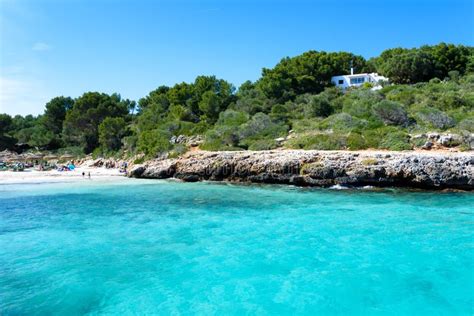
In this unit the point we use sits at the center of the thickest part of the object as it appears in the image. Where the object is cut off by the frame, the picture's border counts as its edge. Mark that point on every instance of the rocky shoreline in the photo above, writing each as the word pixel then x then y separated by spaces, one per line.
pixel 428 170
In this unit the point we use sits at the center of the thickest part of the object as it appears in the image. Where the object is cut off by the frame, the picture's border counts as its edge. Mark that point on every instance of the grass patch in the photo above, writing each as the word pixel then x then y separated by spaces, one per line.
pixel 369 162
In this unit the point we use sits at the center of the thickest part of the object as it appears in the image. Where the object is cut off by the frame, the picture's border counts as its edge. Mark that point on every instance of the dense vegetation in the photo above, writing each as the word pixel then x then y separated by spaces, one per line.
pixel 432 89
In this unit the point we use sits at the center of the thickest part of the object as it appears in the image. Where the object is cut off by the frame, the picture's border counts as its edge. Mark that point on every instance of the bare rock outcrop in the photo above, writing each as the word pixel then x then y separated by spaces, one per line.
pixel 431 170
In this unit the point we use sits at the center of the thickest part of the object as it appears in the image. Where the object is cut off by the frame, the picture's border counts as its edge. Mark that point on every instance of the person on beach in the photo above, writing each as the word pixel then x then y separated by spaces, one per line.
pixel 89 175
pixel 83 174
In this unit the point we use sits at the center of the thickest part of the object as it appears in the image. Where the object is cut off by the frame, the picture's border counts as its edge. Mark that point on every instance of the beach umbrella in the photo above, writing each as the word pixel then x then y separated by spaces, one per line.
pixel 14 158
pixel 6 154
pixel 39 155
pixel 67 157
pixel 50 157
pixel 33 157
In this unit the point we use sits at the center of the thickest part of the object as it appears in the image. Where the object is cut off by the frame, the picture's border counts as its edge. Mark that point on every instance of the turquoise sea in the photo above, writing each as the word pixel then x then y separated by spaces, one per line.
pixel 138 247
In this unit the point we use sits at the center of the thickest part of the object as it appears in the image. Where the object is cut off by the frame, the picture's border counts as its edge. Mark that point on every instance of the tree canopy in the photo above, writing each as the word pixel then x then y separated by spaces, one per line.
pixel 82 121
pixel 309 72
pixel 414 65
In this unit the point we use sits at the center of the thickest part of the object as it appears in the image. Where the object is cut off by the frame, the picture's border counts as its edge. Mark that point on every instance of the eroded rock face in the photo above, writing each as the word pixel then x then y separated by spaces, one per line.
pixel 445 140
pixel 319 168
pixel 154 169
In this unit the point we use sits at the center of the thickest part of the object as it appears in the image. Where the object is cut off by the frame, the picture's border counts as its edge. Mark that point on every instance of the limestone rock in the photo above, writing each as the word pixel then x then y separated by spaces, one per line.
pixel 428 145
pixel 319 168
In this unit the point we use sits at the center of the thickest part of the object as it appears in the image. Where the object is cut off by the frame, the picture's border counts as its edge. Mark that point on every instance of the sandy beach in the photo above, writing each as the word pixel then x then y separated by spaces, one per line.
pixel 31 175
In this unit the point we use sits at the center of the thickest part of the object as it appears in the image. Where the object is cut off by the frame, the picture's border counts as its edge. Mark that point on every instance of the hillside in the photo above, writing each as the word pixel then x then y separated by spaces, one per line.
pixel 428 103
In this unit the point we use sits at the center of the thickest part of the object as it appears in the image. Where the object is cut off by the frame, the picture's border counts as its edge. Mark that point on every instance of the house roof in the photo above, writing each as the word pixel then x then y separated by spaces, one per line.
pixel 361 74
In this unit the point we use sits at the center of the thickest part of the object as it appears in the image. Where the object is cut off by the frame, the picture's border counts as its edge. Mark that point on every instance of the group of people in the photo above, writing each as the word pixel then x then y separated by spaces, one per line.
pixel 69 167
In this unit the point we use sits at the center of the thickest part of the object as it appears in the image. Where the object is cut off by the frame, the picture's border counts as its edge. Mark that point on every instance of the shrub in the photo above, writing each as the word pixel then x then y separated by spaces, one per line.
pixel 319 142
pixel 130 143
pixel 318 107
pixel 356 141
pixel 372 138
pixel 449 100
pixel 454 75
pixel 232 118
pixel 186 128
pixel 358 108
pixel 397 140
pixel 304 125
pixel 390 112
pixel 435 80
pixel 199 128
pixel 139 160
pixel 367 85
pixel 71 150
pixel 341 122
pixel 261 126
pixel 213 144
pixel 433 118
pixel 418 142
pixel 402 94
pixel 279 113
pixel 221 138
pixel 387 137
pixel 177 151
pixel 467 124
pixel 358 102
pixel 460 114
pixel 263 144
pixel 154 142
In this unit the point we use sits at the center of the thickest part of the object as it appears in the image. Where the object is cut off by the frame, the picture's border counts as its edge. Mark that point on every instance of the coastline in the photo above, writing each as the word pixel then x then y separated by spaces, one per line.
pixel 410 169
pixel 34 176
pixel 377 168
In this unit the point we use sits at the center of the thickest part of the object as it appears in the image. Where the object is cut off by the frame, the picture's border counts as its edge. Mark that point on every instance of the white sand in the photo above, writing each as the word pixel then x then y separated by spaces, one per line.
pixel 30 175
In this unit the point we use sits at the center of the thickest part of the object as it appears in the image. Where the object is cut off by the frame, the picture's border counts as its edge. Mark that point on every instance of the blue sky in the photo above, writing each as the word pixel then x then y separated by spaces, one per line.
pixel 66 47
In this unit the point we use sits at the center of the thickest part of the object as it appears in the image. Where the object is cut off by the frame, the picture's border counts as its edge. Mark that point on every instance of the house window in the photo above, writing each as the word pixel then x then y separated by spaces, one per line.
pixel 357 80
pixel 340 81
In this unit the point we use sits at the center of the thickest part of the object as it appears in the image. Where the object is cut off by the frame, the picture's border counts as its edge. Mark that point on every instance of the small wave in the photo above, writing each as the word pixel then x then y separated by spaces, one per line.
pixel 338 187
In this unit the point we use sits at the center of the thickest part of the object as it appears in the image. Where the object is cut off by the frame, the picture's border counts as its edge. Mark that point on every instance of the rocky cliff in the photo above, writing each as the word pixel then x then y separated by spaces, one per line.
pixel 431 170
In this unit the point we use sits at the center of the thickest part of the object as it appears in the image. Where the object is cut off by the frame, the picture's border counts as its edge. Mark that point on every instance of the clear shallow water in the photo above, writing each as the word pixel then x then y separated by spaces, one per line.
pixel 155 247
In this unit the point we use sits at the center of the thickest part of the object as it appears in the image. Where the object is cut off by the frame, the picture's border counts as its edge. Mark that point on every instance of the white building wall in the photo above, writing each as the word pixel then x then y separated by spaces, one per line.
pixel 346 81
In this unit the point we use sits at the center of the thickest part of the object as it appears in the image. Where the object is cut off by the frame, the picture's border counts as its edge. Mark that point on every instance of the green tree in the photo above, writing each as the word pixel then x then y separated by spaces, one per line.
pixel 154 142
pixel 251 99
pixel 6 123
pixel 157 98
pixel 6 126
pixel 20 122
pixel 88 112
pixel 52 122
pixel 55 113
pixel 40 137
pixel 414 65
pixel 470 64
pixel 210 106
pixel 449 57
pixel 111 131
pixel 407 66
pixel 29 130
pixel 310 72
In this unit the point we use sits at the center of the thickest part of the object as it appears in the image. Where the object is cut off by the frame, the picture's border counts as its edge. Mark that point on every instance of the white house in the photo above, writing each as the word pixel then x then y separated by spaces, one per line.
pixel 346 81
